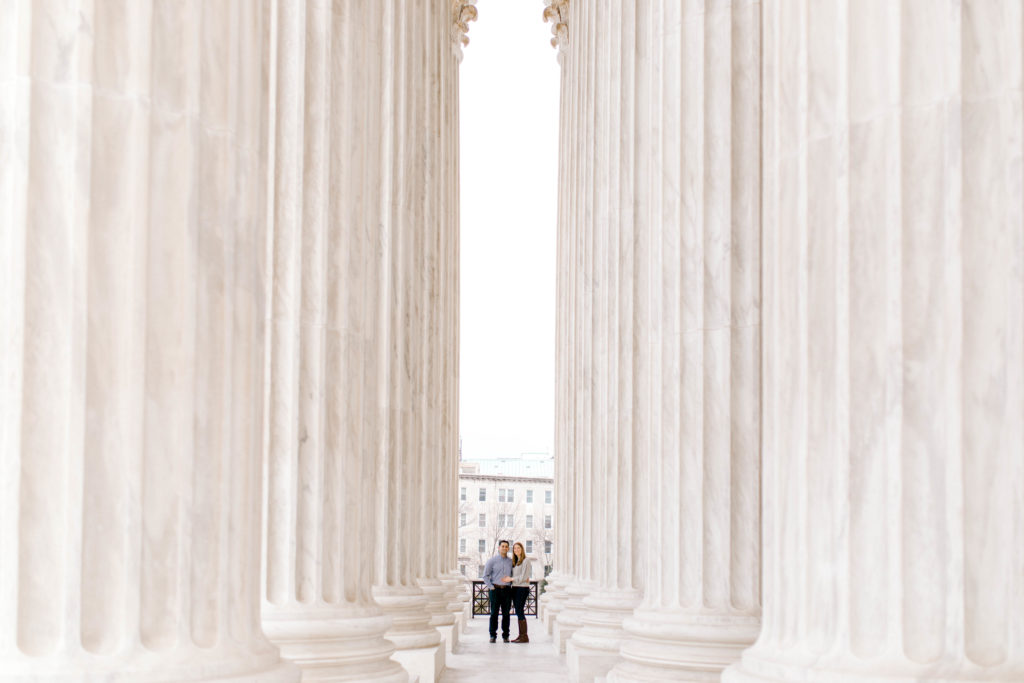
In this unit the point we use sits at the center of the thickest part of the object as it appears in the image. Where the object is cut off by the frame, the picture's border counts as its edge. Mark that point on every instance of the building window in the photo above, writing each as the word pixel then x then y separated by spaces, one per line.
pixel 483 519
pixel 529 495
pixel 511 495
pixel 462 546
pixel 501 495
pixel 462 493
pixel 529 546
pixel 501 521
pixel 547 521
pixel 483 548
pixel 483 495
pixel 463 569
pixel 462 519
pixel 547 547
pixel 480 568
pixel 547 496
pixel 529 521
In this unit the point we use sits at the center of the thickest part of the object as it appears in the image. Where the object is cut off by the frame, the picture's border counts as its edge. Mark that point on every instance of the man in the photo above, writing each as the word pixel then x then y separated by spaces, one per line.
pixel 498 579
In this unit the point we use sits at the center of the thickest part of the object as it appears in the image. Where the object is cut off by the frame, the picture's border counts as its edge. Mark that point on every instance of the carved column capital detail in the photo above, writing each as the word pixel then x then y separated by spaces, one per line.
pixel 557 12
pixel 463 12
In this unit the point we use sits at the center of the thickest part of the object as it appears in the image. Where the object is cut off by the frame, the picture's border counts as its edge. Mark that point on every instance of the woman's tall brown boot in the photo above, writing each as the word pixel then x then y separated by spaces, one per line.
pixel 523 638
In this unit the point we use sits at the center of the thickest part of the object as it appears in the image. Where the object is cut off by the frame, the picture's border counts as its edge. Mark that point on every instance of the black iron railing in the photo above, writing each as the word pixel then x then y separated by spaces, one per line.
pixel 482 600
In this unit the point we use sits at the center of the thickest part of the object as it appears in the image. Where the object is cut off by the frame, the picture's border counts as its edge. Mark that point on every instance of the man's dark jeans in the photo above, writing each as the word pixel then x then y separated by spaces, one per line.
pixel 501 597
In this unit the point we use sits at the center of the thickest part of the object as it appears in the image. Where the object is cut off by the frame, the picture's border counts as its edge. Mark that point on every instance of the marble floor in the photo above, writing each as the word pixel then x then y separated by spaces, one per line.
pixel 475 659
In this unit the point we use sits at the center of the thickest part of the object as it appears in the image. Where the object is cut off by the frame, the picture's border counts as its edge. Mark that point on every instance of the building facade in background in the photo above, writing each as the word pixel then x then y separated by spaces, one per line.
pixel 506 498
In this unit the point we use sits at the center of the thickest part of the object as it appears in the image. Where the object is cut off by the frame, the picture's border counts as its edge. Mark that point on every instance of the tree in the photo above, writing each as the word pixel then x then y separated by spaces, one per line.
pixel 541 537
pixel 505 522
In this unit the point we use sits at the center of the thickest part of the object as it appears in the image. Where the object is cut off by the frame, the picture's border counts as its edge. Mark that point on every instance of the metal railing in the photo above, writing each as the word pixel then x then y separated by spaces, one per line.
pixel 482 600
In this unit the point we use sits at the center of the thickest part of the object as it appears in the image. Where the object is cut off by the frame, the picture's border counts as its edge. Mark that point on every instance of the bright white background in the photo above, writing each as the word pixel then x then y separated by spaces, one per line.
pixel 509 83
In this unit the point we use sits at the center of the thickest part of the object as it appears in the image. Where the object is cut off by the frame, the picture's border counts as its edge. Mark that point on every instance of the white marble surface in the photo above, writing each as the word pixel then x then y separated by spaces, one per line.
pixel 131 276
pixel 607 470
pixel 321 450
pixel 659 332
pixel 141 297
pixel 894 369
pixel 362 448
pixel 477 660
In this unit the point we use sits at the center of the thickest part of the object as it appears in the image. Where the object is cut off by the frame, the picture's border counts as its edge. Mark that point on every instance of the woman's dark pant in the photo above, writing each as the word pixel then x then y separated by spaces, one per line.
pixel 519 595
pixel 500 598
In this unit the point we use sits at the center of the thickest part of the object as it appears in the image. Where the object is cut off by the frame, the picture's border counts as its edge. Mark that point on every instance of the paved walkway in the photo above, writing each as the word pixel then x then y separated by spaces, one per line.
pixel 477 660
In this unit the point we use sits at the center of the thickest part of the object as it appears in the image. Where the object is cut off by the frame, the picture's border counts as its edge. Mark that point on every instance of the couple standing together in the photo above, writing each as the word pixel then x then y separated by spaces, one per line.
pixel 508 581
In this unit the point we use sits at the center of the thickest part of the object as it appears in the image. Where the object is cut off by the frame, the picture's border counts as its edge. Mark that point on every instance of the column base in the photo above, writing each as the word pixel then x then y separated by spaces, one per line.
pixel 755 667
pixel 150 667
pixel 674 645
pixel 554 600
pixel 337 647
pixel 562 632
pixel 570 618
pixel 453 582
pixel 449 634
pixel 418 645
pixel 587 664
pixel 594 649
pixel 283 672
pixel 424 664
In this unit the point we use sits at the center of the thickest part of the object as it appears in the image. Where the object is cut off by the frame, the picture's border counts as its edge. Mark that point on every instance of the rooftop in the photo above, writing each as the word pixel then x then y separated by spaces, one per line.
pixel 529 466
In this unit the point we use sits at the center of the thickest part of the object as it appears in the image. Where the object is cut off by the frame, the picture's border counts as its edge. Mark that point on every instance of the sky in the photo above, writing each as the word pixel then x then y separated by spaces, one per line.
pixel 508 88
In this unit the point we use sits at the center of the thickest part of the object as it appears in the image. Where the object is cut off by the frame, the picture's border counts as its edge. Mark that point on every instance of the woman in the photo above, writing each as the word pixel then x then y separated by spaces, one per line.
pixel 520 588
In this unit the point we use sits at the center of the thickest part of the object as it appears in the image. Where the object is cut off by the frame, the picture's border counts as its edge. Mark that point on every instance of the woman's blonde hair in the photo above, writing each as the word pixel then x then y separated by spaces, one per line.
pixel 516 561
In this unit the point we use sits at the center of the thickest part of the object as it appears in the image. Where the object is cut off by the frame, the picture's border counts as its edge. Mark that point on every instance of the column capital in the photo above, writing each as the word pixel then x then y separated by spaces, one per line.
pixel 463 12
pixel 557 13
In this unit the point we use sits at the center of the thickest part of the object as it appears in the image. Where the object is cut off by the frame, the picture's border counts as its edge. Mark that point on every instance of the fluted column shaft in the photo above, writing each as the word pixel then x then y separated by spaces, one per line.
pixel 409 553
pixel 447 353
pixel 436 490
pixel 132 251
pixel 894 362
pixel 554 596
pixel 321 451
pixel 605 31
pixel 574 163
pixel 686 290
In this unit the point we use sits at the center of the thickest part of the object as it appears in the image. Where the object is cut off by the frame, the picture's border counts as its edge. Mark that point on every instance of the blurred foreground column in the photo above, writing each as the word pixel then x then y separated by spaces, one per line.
pixel 131 341
pixel 894 343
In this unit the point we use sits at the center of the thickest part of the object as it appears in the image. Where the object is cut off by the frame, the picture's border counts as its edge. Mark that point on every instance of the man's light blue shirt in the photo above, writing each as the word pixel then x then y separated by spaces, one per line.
pixel 496 569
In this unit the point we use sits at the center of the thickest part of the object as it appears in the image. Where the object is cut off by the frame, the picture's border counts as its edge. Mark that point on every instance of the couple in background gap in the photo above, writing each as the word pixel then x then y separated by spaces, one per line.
pixel 508 581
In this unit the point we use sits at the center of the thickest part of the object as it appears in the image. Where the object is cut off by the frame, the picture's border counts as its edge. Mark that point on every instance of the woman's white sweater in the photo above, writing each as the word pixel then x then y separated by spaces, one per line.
pixel 521 573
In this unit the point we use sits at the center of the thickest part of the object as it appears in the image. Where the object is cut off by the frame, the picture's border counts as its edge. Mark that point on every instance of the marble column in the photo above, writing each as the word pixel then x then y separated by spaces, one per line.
pixel 417 49
pixel 456 594
pixel 552 601
pixel 328 302
pixel 132 250
pixel 574 363
pixel 610 484
pixel 695 406
pixel 663 165
pixel 437 489
pixel 893 343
